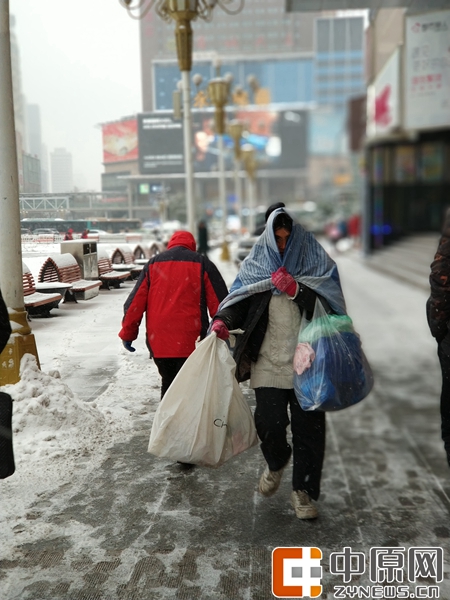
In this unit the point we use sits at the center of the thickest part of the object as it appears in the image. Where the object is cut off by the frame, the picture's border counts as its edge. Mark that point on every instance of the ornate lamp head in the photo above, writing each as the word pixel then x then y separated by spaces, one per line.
pixel 218 93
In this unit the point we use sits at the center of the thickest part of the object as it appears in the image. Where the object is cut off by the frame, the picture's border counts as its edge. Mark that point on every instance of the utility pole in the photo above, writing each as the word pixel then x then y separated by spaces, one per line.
pixel 22 340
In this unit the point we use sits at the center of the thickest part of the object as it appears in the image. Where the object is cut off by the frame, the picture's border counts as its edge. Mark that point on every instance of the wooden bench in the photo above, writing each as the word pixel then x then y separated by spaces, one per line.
pixel 64 268
pixel 147 250
pixel 37 303
pixel 140 252
pixel 108 276
pixel 122 260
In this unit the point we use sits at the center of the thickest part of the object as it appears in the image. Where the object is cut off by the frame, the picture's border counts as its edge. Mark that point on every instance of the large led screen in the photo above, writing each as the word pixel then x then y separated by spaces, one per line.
pixel 278 137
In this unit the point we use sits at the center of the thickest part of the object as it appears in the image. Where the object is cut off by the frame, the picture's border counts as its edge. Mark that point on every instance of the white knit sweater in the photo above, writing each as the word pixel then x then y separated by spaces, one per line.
pixel 274 365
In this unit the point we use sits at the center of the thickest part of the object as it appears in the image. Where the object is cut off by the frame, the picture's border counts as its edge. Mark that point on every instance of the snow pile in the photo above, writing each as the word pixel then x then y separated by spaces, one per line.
pixel 49 420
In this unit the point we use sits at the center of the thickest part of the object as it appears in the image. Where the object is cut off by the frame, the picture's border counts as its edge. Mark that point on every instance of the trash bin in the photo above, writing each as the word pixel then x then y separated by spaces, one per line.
pixel 85 253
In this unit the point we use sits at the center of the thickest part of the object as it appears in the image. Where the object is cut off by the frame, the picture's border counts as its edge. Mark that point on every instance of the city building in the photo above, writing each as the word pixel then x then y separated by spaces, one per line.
pixel 31 174
pixel 45 186
pixel 19 102
pixel 262 29
pixel 285 70
pixel 408 128
pixel 61 171
pixel 35 147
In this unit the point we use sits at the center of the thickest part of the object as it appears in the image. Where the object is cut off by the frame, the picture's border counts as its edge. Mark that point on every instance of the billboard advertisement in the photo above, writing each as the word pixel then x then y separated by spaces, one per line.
pixel 160 144
pixel 327 134
pixel 427 70
pixel 120 141
pixel 278 137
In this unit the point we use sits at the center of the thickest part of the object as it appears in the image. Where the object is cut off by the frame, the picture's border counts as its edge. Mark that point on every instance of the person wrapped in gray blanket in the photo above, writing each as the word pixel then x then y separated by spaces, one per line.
pixel 278 283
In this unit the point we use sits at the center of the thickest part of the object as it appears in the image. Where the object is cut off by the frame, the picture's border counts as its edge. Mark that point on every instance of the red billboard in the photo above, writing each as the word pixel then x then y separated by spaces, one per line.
pixel 120 141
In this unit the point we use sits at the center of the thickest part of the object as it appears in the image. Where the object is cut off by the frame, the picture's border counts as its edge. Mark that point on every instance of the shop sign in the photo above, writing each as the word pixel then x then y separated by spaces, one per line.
pixel 427 70
pixel 384 108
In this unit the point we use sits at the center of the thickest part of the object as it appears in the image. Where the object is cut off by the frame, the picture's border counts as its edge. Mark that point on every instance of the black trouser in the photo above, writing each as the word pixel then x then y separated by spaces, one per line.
pixel 308 437
pixel 444 359
pixel 168 369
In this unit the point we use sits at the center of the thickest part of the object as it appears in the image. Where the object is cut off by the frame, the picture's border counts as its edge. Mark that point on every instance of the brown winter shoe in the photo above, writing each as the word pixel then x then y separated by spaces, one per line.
pixel 304 508
pixel 270 481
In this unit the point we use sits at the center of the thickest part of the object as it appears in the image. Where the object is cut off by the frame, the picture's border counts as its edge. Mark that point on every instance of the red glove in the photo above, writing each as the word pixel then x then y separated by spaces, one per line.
pixel 220 329
pixel 283 281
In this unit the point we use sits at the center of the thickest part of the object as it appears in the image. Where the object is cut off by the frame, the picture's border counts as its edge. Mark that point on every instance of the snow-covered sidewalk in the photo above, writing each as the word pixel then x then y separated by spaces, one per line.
pixel 90 514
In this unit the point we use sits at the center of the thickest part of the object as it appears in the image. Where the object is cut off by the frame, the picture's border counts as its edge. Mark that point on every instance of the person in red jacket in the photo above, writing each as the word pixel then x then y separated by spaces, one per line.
pixel 176 289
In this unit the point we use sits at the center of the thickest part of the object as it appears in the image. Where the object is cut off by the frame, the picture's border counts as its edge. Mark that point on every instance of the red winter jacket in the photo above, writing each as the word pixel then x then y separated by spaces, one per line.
pixel 175 289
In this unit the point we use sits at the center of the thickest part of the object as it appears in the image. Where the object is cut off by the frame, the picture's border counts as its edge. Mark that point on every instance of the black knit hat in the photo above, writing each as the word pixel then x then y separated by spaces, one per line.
pixel 273 207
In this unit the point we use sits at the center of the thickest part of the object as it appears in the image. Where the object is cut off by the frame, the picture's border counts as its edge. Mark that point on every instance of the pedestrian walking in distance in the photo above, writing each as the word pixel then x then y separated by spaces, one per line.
pixel 268 300
pixel 176 290
pixel 438 315
pixel 202 233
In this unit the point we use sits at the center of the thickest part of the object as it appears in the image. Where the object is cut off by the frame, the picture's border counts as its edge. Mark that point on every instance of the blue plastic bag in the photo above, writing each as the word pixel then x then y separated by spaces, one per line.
pixel 339 375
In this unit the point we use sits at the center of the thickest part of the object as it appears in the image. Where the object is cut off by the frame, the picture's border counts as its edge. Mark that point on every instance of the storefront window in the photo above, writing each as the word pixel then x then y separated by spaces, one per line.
pixel 432 162
pixel 405 164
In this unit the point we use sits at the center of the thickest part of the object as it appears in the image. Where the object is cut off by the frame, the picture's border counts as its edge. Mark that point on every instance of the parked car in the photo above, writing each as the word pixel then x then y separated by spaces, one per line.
pixel 244 247
pixel 97 232
pixel 45 231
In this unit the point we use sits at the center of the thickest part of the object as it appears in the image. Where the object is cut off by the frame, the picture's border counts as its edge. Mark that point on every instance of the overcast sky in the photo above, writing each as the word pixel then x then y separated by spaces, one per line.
pixel 80 63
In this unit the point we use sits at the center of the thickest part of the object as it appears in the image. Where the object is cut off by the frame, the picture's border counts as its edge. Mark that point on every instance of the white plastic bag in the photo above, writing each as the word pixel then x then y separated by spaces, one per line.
pixel 204 418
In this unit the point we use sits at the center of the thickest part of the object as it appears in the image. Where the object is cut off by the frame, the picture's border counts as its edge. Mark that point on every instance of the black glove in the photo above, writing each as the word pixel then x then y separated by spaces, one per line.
pixel 128 346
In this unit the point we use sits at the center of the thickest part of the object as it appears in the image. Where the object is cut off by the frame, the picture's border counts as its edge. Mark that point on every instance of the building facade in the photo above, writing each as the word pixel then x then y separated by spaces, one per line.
pixel 19 102
pixel 408 131
pixel 301 66
pixel 262 29
pixel 61 171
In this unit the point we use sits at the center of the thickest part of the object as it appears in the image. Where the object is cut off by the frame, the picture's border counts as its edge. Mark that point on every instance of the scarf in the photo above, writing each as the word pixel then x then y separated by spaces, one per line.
pixel 304 258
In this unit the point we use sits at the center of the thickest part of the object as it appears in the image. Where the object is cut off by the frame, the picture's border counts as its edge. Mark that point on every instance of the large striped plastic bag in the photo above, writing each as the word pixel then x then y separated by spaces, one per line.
pixel 203 418
pixel 331 371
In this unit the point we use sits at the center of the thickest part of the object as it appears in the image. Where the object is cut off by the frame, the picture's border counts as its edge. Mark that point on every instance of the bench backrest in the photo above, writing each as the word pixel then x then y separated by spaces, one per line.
pixel 140 252
pixel 104 265
pixel 29 286
pixel 121 256
pixel 64 269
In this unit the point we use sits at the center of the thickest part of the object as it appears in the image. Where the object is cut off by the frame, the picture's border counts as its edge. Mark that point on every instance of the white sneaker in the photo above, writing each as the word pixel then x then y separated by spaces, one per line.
pixel 270 481
pixel 304 508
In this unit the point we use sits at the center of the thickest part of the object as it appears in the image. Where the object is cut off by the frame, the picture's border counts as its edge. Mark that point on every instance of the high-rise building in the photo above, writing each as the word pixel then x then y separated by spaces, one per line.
pixel 19 102
pixel 61 171
pixel 260 31
pixel 292 73
pixel 34 130
pixel 45 187
pixel 35 146
pixel 339 60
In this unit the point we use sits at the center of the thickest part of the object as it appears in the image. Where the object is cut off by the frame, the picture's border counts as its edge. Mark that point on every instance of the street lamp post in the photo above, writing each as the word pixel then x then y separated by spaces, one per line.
pixel 250 165
pixel 22 341
pixel 236 129
pixel 218 90
pixel 183 12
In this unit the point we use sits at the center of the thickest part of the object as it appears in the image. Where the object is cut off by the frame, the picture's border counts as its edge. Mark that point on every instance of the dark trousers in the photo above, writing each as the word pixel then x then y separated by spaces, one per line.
pixel 444 359
pixel 308 437
pixel 168 369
